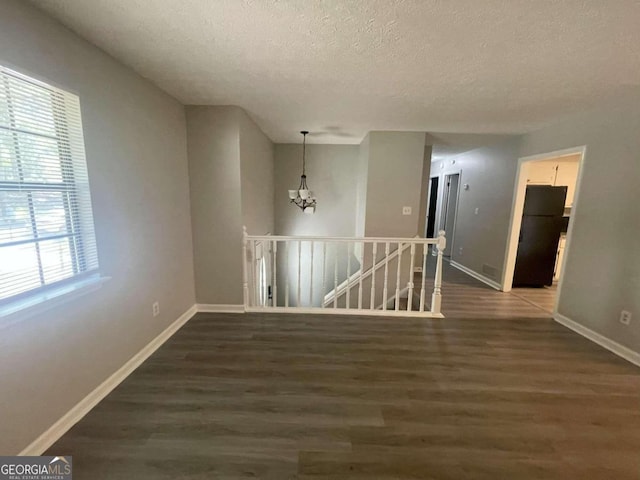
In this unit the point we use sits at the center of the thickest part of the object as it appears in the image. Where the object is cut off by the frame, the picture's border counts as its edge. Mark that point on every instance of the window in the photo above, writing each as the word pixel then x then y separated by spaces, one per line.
pixel 47 239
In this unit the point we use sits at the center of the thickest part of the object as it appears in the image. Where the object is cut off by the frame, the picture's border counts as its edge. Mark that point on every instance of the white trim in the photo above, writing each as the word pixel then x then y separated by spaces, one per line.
pixel 352 281
pixel 219 308
pixel 614 347
pixel 476 275
pixel 515 221
pixel 340 289
pixel 446 169
pixel 282 238
pixel 435 214
pixel 345 311
pixel 451 235
pixel 73 416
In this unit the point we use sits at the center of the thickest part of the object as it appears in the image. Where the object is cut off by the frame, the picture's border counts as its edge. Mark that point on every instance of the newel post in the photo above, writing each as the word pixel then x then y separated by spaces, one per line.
pixel 245 276
pixel 436 298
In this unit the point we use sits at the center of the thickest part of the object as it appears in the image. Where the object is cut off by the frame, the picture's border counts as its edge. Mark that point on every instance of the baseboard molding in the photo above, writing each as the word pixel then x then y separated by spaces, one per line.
pixel 219 308
pixel 476 275
pixel 73 416
pixel 614 347
pixel 344 311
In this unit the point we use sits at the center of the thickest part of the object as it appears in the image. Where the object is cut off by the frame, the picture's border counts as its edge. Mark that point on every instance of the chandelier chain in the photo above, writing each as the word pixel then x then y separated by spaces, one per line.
pixel 304 149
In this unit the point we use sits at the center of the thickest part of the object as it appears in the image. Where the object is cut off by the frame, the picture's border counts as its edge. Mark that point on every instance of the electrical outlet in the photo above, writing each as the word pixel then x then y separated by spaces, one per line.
pixel 460 250
pixel 406 210
pixel 477 210
pixel 625 317
pixel 155 308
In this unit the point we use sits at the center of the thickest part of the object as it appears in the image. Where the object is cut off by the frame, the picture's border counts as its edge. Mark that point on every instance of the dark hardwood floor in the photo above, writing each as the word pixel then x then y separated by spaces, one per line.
pixel 465 297
pixel 543 297
pixel 504 394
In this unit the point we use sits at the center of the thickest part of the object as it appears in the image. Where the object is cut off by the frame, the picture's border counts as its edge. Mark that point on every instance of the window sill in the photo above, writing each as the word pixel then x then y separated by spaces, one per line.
pixel 43 301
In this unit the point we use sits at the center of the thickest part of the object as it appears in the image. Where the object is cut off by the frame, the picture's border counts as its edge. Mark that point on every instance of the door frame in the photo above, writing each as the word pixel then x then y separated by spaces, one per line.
pixel 435 214
pixel 518 207
pixel 445 172
pixel 450 235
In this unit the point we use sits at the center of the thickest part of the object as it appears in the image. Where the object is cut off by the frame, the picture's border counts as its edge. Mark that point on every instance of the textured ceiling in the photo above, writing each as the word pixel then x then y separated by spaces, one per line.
pixel 342 68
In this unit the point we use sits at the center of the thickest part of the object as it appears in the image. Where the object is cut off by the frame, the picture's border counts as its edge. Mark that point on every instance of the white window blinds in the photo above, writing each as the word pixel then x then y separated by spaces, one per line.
pixel 46 223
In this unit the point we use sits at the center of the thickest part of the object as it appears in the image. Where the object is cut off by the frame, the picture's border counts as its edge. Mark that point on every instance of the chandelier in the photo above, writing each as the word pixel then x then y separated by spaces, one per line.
pixel 303 197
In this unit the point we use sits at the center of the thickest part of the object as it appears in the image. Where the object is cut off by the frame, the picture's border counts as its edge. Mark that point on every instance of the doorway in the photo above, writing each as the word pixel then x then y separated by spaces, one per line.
pixel 432 207
pixel 450 209
pixel 544 205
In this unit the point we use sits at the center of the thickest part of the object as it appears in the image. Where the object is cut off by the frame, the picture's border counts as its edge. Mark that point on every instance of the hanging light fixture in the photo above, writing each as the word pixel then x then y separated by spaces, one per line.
pixel 303 197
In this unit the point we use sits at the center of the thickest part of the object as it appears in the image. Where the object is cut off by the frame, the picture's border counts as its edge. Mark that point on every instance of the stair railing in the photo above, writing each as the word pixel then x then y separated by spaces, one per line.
pixel 341 275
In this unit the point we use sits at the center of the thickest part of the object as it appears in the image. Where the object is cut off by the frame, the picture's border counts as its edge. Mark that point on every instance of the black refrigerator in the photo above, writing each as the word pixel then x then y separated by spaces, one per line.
pixel 542 224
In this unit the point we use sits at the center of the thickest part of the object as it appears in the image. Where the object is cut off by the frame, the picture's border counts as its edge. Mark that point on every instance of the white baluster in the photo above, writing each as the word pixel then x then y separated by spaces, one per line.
pixel 335 277
pixel 372 303
pixel 436 298
pixel 299 271
pixel 254 274
pixel 362 245
pixel 386 276
pixel 274 290
pixel 410 300
pixel 425 253
pixel 398 276
pixel 245 276
pixel 311 278
pixel 348 275
pixel 286 271
pixel 324 271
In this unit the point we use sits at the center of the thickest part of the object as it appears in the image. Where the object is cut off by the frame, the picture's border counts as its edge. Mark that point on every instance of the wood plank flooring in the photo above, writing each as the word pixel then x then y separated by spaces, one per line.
pixel 544 297
pixel 465 297
pixel 497 396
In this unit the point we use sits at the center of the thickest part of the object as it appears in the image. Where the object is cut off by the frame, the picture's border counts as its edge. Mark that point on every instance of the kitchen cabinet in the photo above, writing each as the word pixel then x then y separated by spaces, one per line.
pixel 542 173
pixel 568 175
pixel 555 173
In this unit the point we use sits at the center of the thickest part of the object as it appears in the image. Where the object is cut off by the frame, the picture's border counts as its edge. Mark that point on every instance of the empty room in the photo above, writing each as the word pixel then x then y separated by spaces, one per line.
pixel 319 239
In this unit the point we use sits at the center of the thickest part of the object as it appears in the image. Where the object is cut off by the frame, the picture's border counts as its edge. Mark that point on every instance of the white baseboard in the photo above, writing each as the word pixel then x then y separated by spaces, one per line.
pixel 219 308
pixel 476 275
pixel 345 311
pixel 614 347
pixel 73 416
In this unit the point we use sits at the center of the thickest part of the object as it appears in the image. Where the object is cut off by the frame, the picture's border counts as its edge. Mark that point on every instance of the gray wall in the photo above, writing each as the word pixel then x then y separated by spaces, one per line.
pixel 332 176
pixel 490 173
pixel 362 170
pixel 394 180
pixel 216 212
pixel 424 190
pixel 136 154
pixel 256 177
pixel 231 175
pixel 602 275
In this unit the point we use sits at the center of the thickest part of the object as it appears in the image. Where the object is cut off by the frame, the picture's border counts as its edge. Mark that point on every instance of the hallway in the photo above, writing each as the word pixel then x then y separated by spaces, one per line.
pixel 544 298
pixel 465 297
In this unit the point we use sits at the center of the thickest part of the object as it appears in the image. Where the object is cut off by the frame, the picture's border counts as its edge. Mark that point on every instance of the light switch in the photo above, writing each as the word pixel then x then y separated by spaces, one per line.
pixel 406 210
